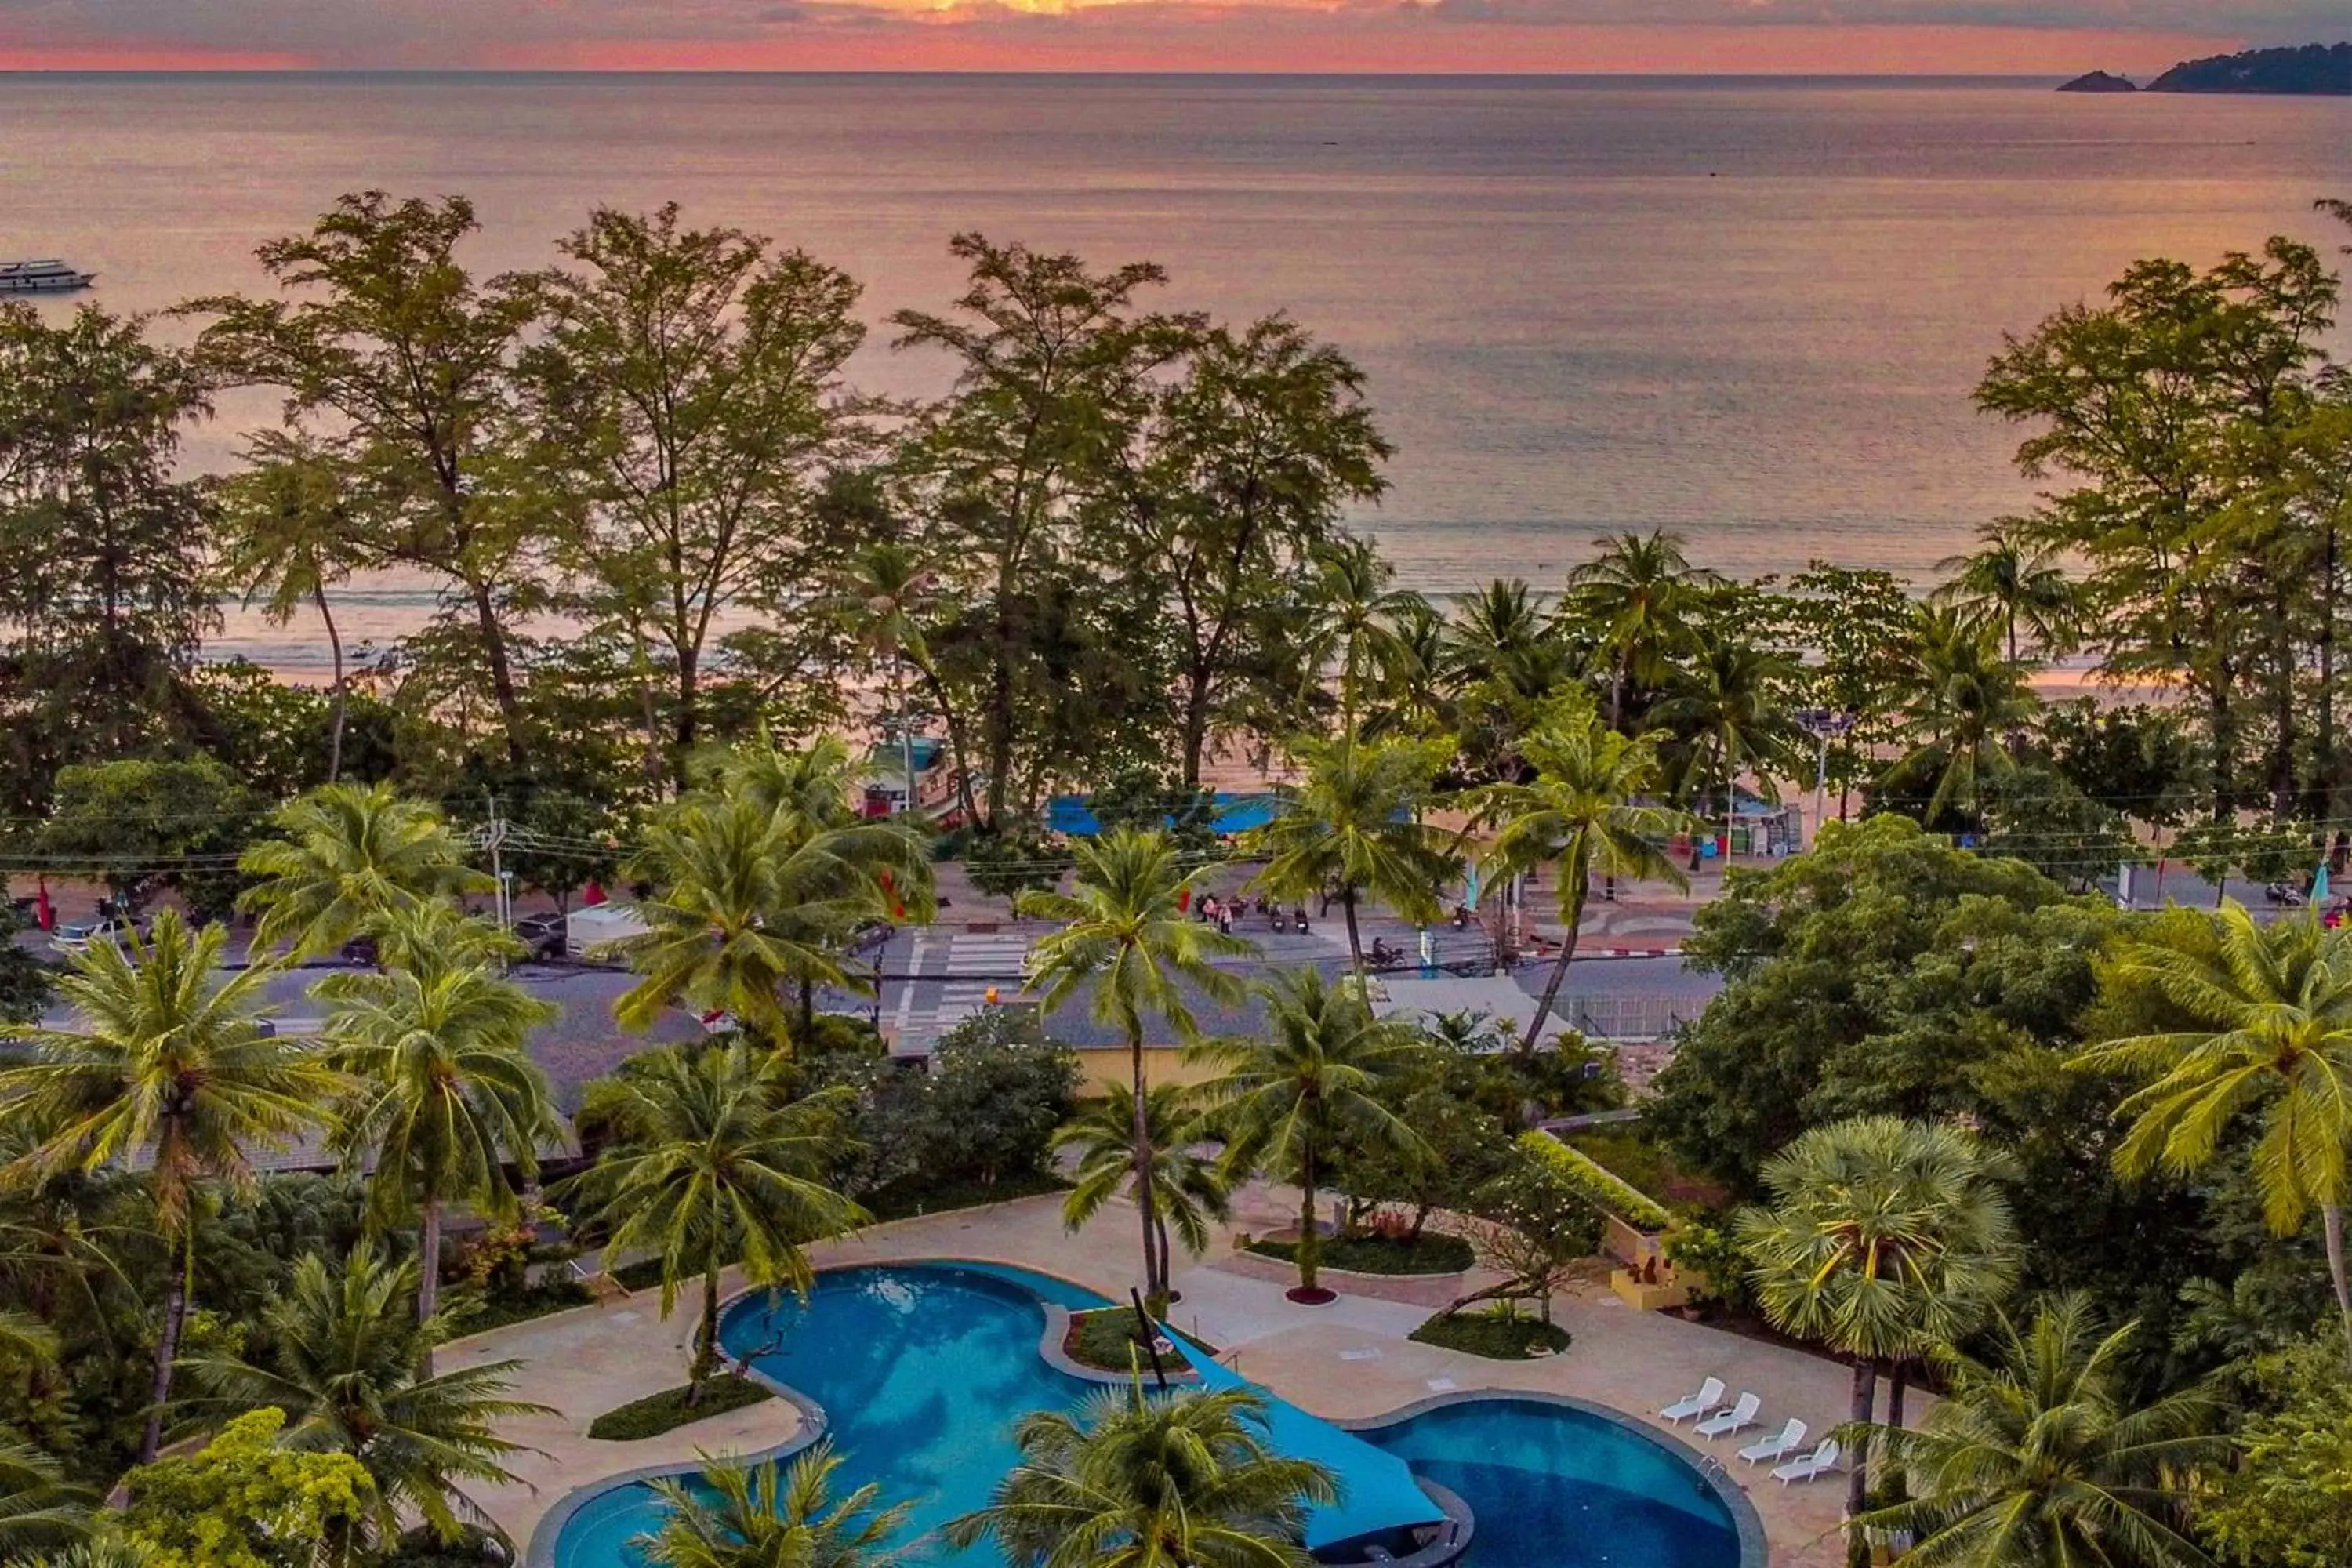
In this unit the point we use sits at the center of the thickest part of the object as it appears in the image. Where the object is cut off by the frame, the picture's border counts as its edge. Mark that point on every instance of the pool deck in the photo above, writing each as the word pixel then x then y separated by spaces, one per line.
pixel 1347 1360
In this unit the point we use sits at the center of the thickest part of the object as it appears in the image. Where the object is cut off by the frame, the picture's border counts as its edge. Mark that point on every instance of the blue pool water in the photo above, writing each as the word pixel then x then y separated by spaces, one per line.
pixel 1553 1487
pixel 922 1369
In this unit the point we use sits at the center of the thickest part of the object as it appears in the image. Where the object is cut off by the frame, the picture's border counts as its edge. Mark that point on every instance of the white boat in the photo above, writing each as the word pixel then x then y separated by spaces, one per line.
pixel 50 276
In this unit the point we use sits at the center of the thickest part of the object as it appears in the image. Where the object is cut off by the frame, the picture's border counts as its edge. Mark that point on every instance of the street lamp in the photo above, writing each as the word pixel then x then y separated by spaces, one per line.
pixel 1822 723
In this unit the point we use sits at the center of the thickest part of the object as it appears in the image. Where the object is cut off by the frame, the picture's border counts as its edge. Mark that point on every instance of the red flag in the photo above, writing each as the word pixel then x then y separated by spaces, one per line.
pixel 46 916
pixel 1183 899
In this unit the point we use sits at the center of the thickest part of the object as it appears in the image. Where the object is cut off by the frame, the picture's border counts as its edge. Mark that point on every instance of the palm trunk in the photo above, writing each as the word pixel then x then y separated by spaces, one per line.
pixel 1155 1283
pixel 706 1348
pixel 167 1344
pixel 1355 939
pixel 1310 1238
pixel 2331 1216
pixel 1857 1483
pixel 428 1270
pixel 1572 872
pixel 335 650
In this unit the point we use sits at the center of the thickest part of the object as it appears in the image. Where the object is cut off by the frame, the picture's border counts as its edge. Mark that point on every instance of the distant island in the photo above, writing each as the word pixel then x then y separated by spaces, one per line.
pixel 2311 70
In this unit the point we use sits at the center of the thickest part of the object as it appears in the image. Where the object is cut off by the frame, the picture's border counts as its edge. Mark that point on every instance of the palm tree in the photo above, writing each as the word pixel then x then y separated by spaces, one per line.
pixel 1127 1481
pixel 1354 828
pixel 2264 1029
pixel 1962 704
pixel 1496 635
pixel 352 1367
pixel 1636 596
pixel 1287 1102
pixel 1884 1237
pixel 2012 581
pixel 1728 708
pixel 292 538
pixel 1356 614
pixel 755 1516
pixel 1126 939
pixel 1187 1190
pixel 1584 809
pixel 446 1092
pixel 38 1510
pixel 350 854
pixel 167 1063
pixel 880 598
pixel 2039 1460
pixel 711 1160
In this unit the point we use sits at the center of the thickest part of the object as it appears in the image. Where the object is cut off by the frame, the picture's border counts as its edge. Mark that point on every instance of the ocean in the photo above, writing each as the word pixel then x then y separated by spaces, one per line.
pixel 1752 310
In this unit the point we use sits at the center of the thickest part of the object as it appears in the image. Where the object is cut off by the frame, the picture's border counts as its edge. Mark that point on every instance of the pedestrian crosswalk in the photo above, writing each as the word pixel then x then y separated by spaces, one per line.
pixel 964 966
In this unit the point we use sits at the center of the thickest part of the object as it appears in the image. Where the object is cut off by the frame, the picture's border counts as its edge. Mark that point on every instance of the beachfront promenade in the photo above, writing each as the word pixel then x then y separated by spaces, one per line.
pixel 1349 1360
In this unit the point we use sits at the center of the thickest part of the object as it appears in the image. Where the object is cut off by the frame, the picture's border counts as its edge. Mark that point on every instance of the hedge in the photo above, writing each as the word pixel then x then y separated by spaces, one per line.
pixel 1595 1183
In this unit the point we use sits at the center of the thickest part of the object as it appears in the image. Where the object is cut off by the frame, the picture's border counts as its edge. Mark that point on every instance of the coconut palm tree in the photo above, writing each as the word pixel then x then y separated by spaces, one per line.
pixel 1354 829
pixel 2038 1457
pixel 1728 708
pixel 712 1161
pixel 1883 1237
pixel 1188 1191
pixel 2262 1031
pixel 352 1367
pixel 1356 613
pixel 349 854
pixel 1287 1102
pixel 1584 809
pixel 1125 939
pixel 1127 1481
pixel 2012 581
pixel 38 1510
pixel 1497 636
pixel 759 1516
pixel 292 538
pixel 744 911
pixel 1635 599
pixel 445 1094
pixel 1962 705
pixel 166 1063
pixel 880 598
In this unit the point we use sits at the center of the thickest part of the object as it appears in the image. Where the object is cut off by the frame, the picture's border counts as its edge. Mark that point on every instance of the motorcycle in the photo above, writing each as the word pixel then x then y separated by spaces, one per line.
pixel 2283 895
pixel 1385 957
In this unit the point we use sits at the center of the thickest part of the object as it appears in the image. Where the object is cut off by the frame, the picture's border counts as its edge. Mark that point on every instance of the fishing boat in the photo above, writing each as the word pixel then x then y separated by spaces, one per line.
pixel 51 277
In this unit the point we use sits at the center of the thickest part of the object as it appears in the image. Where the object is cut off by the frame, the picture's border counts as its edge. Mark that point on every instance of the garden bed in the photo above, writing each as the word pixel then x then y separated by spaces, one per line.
pixel 1431 1253
pixel 1101 1338
pixel 1495 1335
pixel 480 1314
pixel 666 1410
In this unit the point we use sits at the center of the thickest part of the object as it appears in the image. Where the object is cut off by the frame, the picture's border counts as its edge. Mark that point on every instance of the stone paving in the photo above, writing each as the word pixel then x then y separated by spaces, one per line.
pixel 1350 1359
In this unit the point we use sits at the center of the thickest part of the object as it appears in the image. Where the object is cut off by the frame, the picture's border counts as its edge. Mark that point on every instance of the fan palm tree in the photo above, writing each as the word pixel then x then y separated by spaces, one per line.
pixel 1354 828
pixel 1883 1237
pixel 759 1516
pixel 1962 703
pixel 1127 1481
pixel 1584 809
pixel 2264 1030
pixel 291 539
pixel 1287 1101
pixel 352 1367
pixel 1728 709
pixel 1636 597
pixel 711 1160
pixel 745 909
pixel 350 854
pixel 167 1063
pixel 445 1092
pixel 1125 937
pixel 2038 1459
pixel 38 1510
pixel 2012 581
pixel 1188 1191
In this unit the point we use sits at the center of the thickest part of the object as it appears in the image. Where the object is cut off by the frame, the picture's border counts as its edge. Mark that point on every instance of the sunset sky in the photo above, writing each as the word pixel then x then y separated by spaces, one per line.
pixel 2041 37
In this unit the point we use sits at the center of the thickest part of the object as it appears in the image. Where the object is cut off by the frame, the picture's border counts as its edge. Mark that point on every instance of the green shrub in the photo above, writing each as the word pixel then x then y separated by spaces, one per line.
pixel 1431 1253
pixel 1594 1182
pixel 1500 1334
pixel 659 1413
pixel 1103 1338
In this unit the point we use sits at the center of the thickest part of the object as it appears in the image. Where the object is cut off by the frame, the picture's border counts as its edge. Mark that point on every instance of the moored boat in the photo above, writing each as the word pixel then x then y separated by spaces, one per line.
pixel 50 276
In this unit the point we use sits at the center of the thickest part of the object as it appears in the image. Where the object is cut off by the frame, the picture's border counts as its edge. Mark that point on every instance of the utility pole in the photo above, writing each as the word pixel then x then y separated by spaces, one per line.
pixel 495 834
pixel 1823 723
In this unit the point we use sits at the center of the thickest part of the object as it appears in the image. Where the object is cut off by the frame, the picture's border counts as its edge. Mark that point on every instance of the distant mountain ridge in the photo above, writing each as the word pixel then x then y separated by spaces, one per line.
pixel 2317 68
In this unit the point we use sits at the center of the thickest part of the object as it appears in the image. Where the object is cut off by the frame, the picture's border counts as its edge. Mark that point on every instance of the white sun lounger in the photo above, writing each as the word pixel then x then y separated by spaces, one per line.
pixel 1741 1415
pixel 1786 1441
pixel 1820 1461
pixel 1709 1396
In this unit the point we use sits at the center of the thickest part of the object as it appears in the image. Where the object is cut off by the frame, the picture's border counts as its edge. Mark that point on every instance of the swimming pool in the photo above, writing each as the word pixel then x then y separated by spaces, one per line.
pixel 920 1369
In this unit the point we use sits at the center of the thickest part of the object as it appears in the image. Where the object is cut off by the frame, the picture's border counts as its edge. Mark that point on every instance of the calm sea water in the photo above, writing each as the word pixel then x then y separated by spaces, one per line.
pixel 1749 310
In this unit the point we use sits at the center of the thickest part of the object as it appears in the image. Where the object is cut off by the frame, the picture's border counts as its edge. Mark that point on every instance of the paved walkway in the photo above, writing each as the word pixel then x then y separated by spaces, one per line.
pixel 1350 1359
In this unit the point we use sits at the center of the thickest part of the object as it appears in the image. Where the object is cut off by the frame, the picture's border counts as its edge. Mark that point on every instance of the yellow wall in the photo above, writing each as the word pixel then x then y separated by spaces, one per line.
pixel 1162 1064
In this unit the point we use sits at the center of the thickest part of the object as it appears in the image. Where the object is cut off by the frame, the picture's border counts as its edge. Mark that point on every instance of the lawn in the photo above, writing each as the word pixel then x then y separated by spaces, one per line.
pixel 1496 1335
pixel 1103 1338
pixel 659 1413
pixel 1627 1153
pixel 1431 1254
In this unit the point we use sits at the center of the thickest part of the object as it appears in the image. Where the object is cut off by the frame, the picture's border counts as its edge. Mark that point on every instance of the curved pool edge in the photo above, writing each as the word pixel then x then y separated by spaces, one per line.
pixel 540 1551
pixel 1755 1549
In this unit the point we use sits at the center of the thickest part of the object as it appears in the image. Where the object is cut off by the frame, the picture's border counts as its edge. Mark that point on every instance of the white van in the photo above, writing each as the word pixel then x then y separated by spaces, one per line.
pixel 597 926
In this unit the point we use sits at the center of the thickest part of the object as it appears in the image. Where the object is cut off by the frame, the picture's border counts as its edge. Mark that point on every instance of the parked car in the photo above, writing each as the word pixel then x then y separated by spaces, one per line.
pixel 543 936
pixel 79 938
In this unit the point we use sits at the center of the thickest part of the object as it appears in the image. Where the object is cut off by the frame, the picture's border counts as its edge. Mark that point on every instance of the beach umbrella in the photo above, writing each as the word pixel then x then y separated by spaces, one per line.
pixel 2319 885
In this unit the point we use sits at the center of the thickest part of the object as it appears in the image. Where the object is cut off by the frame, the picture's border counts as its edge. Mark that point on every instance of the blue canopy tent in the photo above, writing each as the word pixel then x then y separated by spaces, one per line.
pixel 1377 1495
